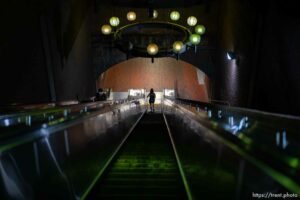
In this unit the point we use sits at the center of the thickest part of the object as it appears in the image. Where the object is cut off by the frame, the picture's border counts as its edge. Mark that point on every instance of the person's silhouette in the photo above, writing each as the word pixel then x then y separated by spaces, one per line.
pixel 152 97
pixel 100 95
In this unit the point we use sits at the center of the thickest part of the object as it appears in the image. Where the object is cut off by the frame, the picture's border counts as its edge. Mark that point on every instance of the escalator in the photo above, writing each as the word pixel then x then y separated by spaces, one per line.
pixel 119 152
pixel 145 166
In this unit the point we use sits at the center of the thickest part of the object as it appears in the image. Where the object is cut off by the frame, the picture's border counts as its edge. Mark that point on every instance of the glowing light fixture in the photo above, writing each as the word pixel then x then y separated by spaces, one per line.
pixel 106 29
pixel 131 16
pixel 114 21
pixel 155 14
pixel 200 29
pixel 195 39
pixel 231 55
pixel 174 15
pixel 152 49
pixel 192 21
pixel 177 46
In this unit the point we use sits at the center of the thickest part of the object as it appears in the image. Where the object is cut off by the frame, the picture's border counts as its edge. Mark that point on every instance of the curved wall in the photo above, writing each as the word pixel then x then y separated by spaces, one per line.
pixel 166 73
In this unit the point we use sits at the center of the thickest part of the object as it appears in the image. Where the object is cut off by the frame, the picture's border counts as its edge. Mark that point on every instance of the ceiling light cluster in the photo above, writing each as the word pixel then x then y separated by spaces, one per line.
pixel 200 29
pixel 106 29
pixel 191 21
pixel 175 15
pixel 177 46
pixel 155 14
pixel 114 21
pixel 152 48
pixel 195 39
pixel 131 16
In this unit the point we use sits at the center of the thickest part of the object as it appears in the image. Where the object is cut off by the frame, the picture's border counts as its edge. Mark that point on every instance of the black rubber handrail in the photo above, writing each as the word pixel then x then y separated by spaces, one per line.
pixel 183 177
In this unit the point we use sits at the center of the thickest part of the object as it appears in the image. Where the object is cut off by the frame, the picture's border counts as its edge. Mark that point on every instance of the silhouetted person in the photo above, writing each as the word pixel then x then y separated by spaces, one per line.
pixel 103 96
pixel 152 97
pixel 100 95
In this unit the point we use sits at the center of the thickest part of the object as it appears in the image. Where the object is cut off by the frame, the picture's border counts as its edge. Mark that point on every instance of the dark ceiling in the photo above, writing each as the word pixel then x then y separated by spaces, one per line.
pixel 153 3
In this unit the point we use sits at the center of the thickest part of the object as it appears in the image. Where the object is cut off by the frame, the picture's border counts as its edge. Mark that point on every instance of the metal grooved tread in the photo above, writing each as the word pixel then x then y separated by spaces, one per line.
pixel 145 167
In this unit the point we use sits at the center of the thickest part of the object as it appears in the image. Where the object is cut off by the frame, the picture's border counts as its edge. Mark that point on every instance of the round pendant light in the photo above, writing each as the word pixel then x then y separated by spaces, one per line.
pixel 192 21
pixel 195 39
pixel 200 29
pixel 177 46
pixel 155 14
pixel 174 15
pixel 114 21
pixel 131 16
pixel 152 49
pixel 106 29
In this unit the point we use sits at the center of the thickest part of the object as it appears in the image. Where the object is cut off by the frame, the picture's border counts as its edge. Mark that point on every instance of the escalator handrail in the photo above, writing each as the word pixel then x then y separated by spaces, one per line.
pixel 182 174
pixel 52 114
pixel 233 144
pixel 239 109
pixel 243 111
pixel 72 107
pixel 45 130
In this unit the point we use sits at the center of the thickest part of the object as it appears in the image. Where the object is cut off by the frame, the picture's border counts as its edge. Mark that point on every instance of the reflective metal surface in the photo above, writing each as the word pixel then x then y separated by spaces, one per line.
pixel 62 162
pixel 274 163
pixel 213 170
pixel 23 121
pixel 225 152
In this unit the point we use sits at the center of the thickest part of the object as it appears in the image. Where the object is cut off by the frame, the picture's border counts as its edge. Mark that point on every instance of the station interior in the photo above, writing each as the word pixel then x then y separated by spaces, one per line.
pixel 149 99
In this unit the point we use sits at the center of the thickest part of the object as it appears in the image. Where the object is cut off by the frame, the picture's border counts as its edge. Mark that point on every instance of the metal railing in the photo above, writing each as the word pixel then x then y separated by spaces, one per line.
pixel 268 140
pixel 57 153
pixel 42 114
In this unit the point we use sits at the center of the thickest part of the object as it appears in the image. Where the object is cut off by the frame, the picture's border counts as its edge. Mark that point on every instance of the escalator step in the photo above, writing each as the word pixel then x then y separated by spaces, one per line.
pixel 145 167
pixel 137 196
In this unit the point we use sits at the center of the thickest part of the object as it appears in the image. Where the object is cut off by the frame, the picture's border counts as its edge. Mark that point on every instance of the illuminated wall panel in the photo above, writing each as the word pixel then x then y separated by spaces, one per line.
pixel 163 73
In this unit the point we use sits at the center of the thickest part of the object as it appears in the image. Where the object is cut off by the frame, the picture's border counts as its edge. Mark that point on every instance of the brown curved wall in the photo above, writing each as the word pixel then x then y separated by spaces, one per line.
pixel 163 73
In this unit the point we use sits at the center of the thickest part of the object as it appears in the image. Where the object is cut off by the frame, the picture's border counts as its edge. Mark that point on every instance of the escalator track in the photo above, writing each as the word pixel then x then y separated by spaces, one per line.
pixel 145 167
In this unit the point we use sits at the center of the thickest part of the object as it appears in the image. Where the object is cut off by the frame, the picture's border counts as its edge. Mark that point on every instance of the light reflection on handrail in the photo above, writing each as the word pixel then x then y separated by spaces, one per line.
pixel 40 116
pixel 280 165
pixel 220 102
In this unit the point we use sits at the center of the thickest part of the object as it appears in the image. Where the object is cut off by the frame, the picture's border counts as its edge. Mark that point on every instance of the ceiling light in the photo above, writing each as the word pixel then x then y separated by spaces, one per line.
pixel 177 46
pixel 131 16
pixel 195 39
pixel 200 29
pixel 192 21
pixel 155 14
pixel 114 21
pixel 231 55
pixel 152 49
pixel 106 29
pixel 174 15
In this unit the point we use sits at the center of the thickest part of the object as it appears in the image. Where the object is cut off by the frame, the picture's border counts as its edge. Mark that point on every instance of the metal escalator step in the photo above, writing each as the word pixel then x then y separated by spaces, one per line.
pixel 137 189
pixel 138 196
pixel 145 167
pixel 151 157
pixel 121 180
pixel 155 187
pixel 145 170
pixel 145 175
pixel 143 161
